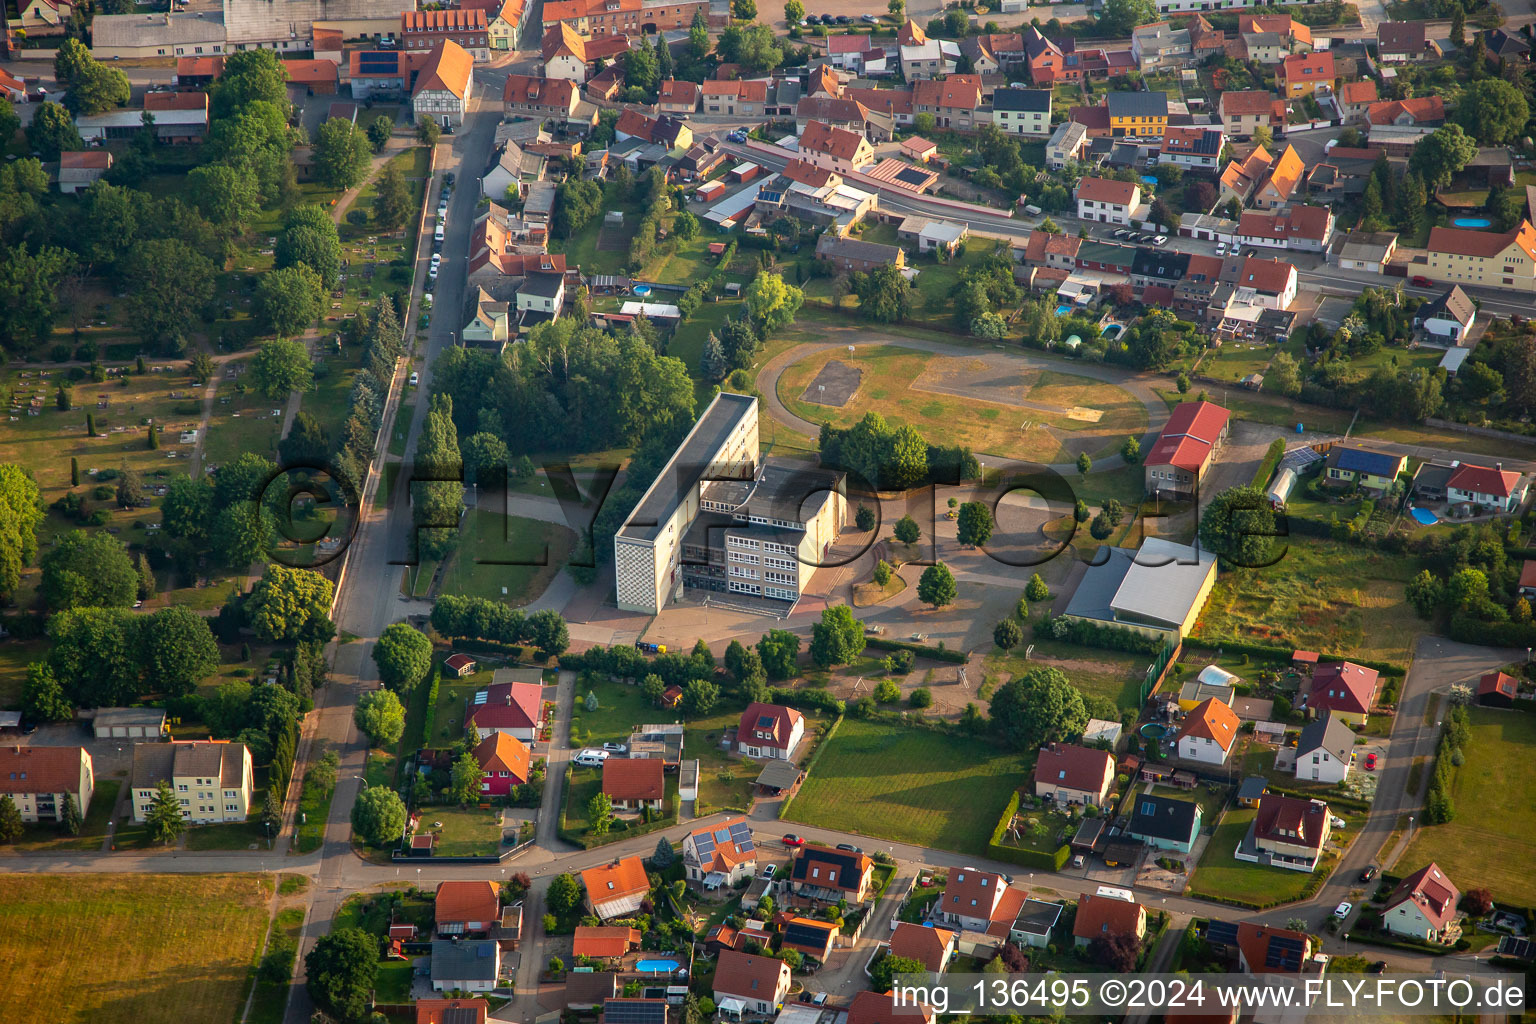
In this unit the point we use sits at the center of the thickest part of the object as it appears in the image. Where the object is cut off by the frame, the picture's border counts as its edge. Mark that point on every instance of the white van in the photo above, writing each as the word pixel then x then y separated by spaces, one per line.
pixel 437 233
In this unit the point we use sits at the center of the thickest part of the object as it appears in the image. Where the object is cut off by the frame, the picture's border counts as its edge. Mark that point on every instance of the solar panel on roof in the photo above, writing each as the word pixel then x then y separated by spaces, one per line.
pixel 623 1011
pixel 741 834
pixel 722 835
pixel 1284 953
pixel 764 721
pixel 1221 932
pixel 705 844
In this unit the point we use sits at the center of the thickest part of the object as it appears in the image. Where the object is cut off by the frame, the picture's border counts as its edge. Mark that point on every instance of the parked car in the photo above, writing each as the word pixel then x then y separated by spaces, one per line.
pixel 1160 240
pixel 1122 233
pixel 850 848
pixel 1342 910
pixel 616 748
pixel 1337 822
pixel 1369 873
pixel 432 271
pixel 868 19
pixel 449 177
pixel 1419 281
pixel 874 629
pixel 768 871
pixel 415 378
pixel 1370 762
pixel 1221 248
pixel 790 839
pixel 827 19
pixel 843 19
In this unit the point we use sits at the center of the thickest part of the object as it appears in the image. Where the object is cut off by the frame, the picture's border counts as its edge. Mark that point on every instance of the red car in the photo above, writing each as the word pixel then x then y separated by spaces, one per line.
pixel 1421 282
pixel 1370 762
pixel 790 839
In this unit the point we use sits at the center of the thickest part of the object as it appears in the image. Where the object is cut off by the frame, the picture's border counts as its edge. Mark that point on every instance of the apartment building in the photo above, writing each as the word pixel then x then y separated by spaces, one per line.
pixel 1483 258
pixel 420 31
pixel 212 779
pixel 39 780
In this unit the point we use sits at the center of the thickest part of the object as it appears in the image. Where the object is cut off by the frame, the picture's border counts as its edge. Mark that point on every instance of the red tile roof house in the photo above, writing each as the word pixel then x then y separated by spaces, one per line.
pixel 979 901
pixel 1491 487
pixel 1423 906
pixel 725 851
pixel 881 1008
pixel 822 873
pixel 1287 832
pixel 459 665
pixel 750 984
pixel 466 908
pixel 505 761
pixel 1178 461
pixel 604 942
pixel 513 708
pixel 1344 688
pixel 770 730
pixel 617 889
pixel 451 1011
pixel 39 779
pixel 931 947
pixel 808 936
pixel 1107 200
pixel 1069 774
pixel 634 783
pixel 1301 228
pixel 1290 954
pixel 1102 915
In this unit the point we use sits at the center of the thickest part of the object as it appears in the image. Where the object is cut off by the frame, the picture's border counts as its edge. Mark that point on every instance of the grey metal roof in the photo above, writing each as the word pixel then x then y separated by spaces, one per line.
pixel 778 775
pixel 1038 100
pixel 119 717
pixel 1163 582
pixel 1037 917
pixel 1098 586
pixel 1138 104
pixel 1253 787
pixel 463 961
pixel 681 472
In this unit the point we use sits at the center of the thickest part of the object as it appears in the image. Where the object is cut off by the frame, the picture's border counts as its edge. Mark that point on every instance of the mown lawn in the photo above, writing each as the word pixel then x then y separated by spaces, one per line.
pixel 505 558
pixel 1115 675
pixel 1221 874
pixel 1490 843
pixel 271 999
pixel 909 785
pixel 142 948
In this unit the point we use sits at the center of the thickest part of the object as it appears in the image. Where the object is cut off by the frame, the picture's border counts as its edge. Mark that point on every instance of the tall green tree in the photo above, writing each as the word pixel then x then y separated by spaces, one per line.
pixel 164 817
pixel 281 367
pixel 21 511
pixel 52 131
pixel 464 786
pixel 1039 706
pixel 88 570
pixel 177 650
pixel 30 282
pixel 249 76
pixel 229 196
pixel 11 827
pixel 936 586
pixel 341 971
pixel 974 524
pixel 42 698
pixel 290 604
pixel 403 656
pixel 1438 156
pixel 838 638
pixel 381 717
pixel 244 534
pixel 1492 112
pixel 167 282
pixel 392 198
pixel 289 300
pixel 341 153
pixel 378 815
pixel 1239 526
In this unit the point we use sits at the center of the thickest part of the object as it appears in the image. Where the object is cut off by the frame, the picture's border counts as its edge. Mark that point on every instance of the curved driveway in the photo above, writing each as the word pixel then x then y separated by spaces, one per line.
pixel 1139 387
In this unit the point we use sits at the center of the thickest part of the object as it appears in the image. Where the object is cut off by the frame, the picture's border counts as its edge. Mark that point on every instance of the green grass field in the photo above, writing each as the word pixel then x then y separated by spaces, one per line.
pixel 1221 874
pixel 506 558
pixel 270 1001
pixel 464 831
pixel 909 785
pixel 142 948
pixel 1490 842
pixel 47 836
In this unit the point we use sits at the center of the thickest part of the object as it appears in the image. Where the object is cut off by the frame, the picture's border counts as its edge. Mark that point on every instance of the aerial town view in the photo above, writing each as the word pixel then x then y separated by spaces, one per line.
pixel 693 511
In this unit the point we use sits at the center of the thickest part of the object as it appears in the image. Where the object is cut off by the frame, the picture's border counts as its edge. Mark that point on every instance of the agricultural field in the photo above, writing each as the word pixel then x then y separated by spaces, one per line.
pixel 893 782
pixel 145 948
pixel 1490 842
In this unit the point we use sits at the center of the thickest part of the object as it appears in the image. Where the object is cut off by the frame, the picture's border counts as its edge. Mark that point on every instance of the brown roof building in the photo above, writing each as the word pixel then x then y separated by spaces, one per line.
pixel 1103 915
pixel 39 780
pixel 466 908
pixel 634 782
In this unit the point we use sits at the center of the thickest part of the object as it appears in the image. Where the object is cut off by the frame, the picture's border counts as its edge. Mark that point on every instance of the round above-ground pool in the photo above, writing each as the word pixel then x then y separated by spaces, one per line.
pixel 1153 731
pixel 1111 330
pixel 1472 222
pixel 1423 516
pixel 657 966
pixel 642 290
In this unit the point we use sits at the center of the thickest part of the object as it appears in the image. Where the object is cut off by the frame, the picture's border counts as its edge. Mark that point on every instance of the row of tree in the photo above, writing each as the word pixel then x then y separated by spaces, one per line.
pixel 893 458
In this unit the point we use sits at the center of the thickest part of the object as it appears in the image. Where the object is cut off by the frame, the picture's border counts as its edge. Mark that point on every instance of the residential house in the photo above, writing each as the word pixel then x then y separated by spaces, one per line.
pixel 1265 949
pixel 1298 37
pixel 846 51
pixel 1498 689
pixel 505 760
pixel 541 99
pixel 1364 250
pixel 43 17
pixel 1069 774
pixel 1184 451
pixel 468 28
pixel 158 34
pixel 1035 923
pixel 79 170
pixel 744 983
pixel 932 58
pixel 213 780
pixel 505 21
pixel 624 17
pixel 1355 99
pixel 1526 585
pixel 604 942
pixel 918 150
pixel 1160 45
pixel 444 84
pixel 1208 733
pixel 809 937
pixel 617 889
pixel 1106 915
pixel 665 131
pixel 953 102
pixel 1108 200
pixel 1287 832
pixel 720 855
pixel 880 1008
pixel 1423 906
pixel 895 104
pixel 770 730
pixel 175 126
pixel 850 254
pixel 1152 268
pixel 1401 41
pixel 1243 110
pixel 676 97
pixel 1297 228
pixel 515 708
pixel 735 98
pixel 42 780
pixel 1306 74
pixel 318 77
pixel 1415 112
pixel 1042 56
pixel 569 56
pixel 822 873
pixel 382 75
pixel 1164 823
pixel 1269 284
pixel 1192 147
pixel 932 947
pixel 1506 46
pixel 1241 178
pixel 634 1010
pixel 835 149
pixel 1138 114
pixel 1066 145
pixel 1449 316
pixel 451 1011
pixel 1484 258
pixel 1325 750
pixel 462 909
pixel 634 783
pixel 833 110
pixel 514 170
pixel 197 72
pixel 1364 468
pixel 1280 180
pixel 1024 112
pixel 540 298
pixel 1343 688
pixel 931 235
pixel 1493 488
pixel 465 966
pixel 976 900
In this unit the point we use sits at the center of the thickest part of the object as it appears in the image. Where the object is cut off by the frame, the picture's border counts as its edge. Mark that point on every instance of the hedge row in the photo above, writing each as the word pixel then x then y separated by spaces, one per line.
pixel 590 842
pixel 936 653
pixel 1283 654
pixel 429 720
pixel 1271 460
pixel 1469 630
pixel 809 765
pixel 816 700
pixel 1088 634
pixel 1026 858
pixel 1342 801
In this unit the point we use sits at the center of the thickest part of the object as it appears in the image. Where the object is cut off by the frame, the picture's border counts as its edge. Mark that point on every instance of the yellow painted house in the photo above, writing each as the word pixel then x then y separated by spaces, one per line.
pixel 1369 470
pixel 1138 114
pixel 1463 256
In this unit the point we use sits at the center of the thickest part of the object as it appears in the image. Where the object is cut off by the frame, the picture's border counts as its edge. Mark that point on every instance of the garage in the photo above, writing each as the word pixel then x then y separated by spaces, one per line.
pixel 129 724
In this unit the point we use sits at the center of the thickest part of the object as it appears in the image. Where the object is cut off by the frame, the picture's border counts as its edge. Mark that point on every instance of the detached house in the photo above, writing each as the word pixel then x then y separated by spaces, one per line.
pixel 466 908
pixel 734 98
pixel 444 84
pixel 41 780
pixel 1105 915
pixel 1164 823
pixel 720 855
pixel 835 149
pixel 81 169
pixel 976 900
pixel 635 783
pixel 1287 832
pixel 1449 315
pixel 1299 228
pixel 770 730
pixel 1107 200
pixel 750 984
pixel 1070 774
pixel 1185 449
pixel 1022 111
pixel 1263 949
pixel 953 102
pixel 1208 733
pixel 515 708
pixel 1270 284
pixel 931 947
pixel 1195 147
pixel 1423 906
pixel 821 873
pixel 1325 750
pixel 505 762
pixel 617 889
pixel 1281 179
pixel 1497 488
pixel 1400 41
pixel 1343 688
pixel 1243 110
pixel 1369 470
pixel 1306 74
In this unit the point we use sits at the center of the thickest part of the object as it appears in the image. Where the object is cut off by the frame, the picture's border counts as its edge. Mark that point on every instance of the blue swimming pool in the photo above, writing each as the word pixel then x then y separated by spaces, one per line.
pixel 1147 179
pixel 1063 309
pixel 1112 330
pixel 1472 222
pixel 1423 516
pixel 657 966
pixel 642 290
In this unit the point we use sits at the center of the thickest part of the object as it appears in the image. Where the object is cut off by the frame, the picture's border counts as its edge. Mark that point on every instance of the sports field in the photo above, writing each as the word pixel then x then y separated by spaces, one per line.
pixel 908 785
pixel 141 948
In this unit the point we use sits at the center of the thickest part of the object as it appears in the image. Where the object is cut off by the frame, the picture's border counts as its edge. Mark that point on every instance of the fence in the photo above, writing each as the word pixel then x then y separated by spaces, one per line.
pixel 1159 667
